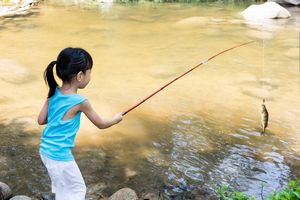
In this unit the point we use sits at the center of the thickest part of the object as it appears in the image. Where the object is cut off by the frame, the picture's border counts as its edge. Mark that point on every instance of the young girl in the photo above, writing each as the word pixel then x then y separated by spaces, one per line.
pixel 61 112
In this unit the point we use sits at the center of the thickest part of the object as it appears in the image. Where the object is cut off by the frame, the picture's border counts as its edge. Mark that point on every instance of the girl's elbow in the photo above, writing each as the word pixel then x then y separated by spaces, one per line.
pixel 41 122
pixel 101 126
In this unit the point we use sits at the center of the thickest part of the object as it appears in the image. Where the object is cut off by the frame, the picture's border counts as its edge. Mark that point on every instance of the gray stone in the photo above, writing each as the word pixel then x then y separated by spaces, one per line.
pixel 5 191
pixel 21 197
pixel 124 194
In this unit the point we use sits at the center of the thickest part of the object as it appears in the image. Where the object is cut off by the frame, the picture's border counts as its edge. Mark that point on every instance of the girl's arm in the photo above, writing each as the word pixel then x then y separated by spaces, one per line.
pixel 101 123
pixel 42 119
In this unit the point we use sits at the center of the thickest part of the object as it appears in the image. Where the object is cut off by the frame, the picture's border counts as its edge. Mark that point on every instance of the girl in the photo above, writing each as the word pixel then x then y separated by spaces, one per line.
pixel 61 112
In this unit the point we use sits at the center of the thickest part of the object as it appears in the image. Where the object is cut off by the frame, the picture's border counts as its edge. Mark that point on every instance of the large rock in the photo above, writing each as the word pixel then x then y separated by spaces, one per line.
pixel 293 2
pixel 5 191
pixel 124 194
pixel 21 7
pixel 268 10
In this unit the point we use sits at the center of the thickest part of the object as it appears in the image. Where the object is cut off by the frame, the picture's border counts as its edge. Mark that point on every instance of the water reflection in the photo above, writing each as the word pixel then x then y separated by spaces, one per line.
pixel 199 155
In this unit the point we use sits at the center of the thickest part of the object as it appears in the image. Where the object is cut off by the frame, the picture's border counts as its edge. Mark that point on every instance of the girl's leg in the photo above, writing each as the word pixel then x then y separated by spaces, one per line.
pixel 74 186
pixel 66 179
pixel 52 172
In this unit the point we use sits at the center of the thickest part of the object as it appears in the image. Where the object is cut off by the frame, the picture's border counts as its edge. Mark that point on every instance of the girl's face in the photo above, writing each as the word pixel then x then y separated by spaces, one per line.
pixel 84 79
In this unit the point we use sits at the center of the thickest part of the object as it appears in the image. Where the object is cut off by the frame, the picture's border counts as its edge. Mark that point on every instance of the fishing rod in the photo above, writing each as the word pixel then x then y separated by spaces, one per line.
pixel 178 77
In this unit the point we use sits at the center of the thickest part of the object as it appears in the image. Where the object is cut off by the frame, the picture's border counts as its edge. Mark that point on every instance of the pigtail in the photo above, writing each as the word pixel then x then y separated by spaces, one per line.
pixel 49 79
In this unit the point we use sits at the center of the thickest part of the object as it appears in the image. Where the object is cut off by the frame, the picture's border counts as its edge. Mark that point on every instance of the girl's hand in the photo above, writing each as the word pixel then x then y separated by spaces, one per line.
pixel 118 117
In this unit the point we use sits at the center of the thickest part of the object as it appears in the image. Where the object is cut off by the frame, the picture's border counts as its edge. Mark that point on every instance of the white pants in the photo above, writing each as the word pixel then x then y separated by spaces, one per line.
pixel 66 179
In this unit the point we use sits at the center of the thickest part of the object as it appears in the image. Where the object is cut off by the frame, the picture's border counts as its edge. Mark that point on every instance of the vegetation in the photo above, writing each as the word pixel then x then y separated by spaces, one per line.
pixel 193 1
pixel 292 192
pixel 227 193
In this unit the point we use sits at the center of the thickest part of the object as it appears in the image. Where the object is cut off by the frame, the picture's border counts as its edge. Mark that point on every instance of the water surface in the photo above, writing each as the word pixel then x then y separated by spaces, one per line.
pixel 202 130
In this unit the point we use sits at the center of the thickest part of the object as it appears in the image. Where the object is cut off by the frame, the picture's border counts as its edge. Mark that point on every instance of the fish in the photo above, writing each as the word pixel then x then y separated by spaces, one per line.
pixel 264 117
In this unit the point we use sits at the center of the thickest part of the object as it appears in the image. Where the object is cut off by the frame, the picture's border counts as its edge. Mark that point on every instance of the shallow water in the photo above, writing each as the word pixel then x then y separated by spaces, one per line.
pixel 202 130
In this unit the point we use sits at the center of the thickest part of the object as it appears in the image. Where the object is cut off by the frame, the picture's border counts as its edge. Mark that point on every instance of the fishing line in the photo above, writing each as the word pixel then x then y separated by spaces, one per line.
pixel 178 77
pixel 264 111
pixel 263 68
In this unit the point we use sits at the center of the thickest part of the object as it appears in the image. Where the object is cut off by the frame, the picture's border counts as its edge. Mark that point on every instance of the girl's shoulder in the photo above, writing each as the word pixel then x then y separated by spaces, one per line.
pixel 60 98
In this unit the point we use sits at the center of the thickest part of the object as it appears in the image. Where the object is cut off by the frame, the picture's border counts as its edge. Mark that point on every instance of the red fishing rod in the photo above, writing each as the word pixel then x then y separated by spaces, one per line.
pixel 175 79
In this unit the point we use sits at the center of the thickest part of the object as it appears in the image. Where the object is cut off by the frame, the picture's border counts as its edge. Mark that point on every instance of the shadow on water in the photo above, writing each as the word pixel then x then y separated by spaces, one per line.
pixel 177 158
pixel 20 165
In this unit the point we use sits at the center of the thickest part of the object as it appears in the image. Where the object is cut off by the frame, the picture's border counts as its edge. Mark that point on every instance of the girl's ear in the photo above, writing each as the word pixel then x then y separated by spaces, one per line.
pixel 79 76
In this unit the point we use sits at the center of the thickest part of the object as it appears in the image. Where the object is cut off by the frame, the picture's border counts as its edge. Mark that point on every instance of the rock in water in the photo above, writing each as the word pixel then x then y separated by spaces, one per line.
pixel 264 117
pixel 13 72
pixel 5 191
pixel 268 10
pixel 20 197
pixel 293 2
pixel 124 194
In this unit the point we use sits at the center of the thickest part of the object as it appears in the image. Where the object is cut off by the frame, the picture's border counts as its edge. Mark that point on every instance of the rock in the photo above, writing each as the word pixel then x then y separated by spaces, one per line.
pixel 5 191
pixel 20 197
pixel 268 10
pixel 192 21
pixel 293 2
pixel 13 72
pixel 20 8
pixel 124 194
pixel 151 196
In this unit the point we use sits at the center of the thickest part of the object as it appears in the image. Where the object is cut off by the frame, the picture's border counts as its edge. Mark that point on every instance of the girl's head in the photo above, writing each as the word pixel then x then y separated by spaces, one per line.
pixel 71 65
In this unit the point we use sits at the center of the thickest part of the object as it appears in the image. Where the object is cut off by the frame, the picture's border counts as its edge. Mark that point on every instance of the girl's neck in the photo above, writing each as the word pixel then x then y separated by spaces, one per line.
pixel 68 88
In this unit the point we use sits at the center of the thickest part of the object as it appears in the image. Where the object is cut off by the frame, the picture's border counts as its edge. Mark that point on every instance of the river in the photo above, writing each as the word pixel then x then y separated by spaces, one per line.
pixel 202 130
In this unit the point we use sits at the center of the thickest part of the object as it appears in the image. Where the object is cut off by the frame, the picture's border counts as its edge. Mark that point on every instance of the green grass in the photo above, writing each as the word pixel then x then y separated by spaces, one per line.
pixel 292 192
pixel 227 193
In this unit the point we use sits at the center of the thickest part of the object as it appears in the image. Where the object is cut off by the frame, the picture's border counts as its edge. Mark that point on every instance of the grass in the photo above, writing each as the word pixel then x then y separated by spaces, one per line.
pixel 292 192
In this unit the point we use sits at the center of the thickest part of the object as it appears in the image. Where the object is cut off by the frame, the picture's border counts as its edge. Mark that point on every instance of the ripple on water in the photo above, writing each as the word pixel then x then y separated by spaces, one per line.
pixel 242 170
pixel 240 158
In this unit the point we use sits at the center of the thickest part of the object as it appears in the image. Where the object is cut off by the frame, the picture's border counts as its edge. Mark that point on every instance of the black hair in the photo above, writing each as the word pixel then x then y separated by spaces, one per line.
pixel 69 63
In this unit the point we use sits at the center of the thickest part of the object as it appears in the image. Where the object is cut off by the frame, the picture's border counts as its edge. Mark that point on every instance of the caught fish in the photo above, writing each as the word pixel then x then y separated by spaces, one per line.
pixel 264 117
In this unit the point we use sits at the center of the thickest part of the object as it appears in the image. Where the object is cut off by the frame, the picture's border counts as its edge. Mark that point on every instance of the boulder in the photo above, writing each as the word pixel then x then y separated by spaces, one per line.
pixel 292 2
pixel 20 8
pixel 268 10
pixel 5 191
pixel 124 194
pixel 20 197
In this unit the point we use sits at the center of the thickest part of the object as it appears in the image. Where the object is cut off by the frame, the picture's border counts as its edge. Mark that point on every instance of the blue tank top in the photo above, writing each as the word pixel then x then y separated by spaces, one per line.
pixel 58 135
